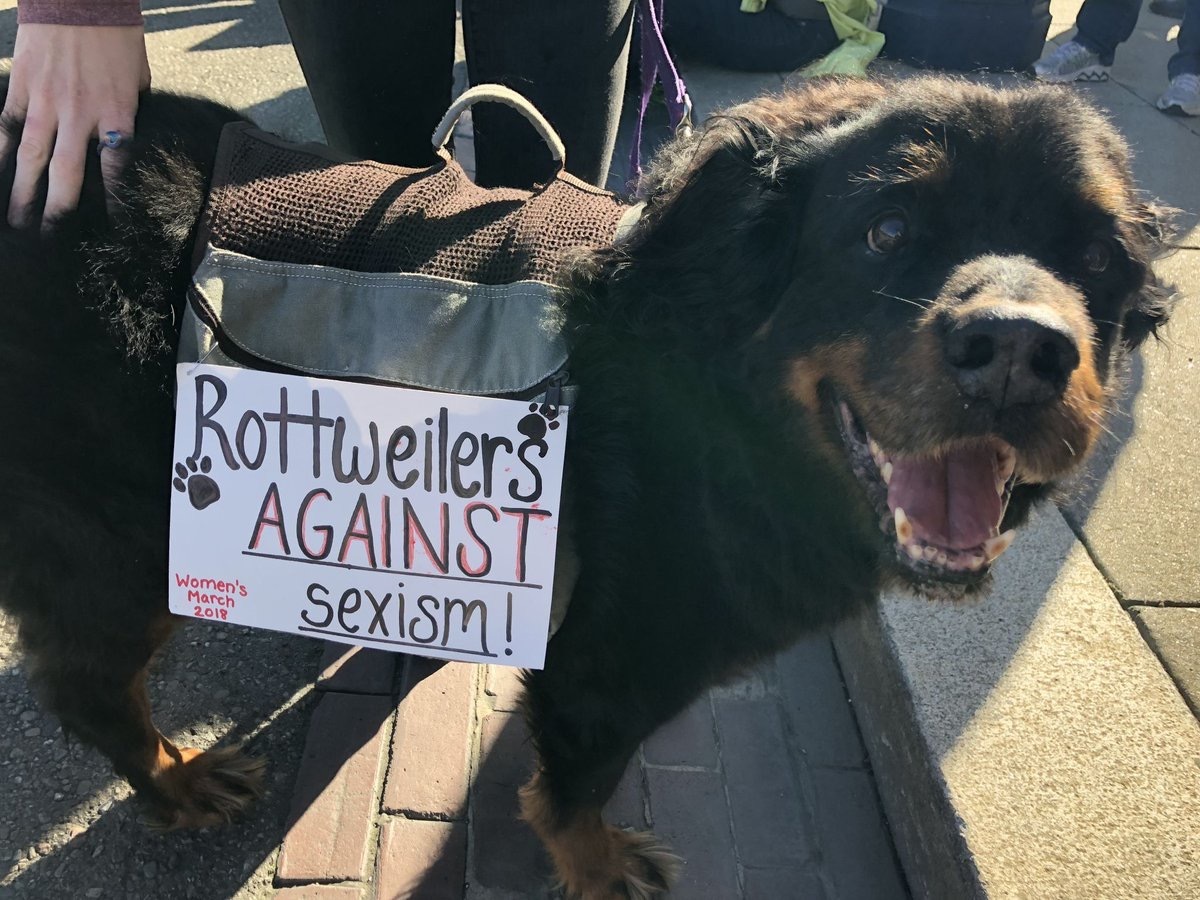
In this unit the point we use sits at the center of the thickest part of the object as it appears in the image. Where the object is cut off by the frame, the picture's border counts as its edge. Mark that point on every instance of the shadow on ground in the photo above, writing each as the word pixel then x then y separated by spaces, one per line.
pixel 73 830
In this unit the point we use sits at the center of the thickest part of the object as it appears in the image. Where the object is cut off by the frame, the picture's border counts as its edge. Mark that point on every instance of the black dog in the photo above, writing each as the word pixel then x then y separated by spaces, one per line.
pixel 860 330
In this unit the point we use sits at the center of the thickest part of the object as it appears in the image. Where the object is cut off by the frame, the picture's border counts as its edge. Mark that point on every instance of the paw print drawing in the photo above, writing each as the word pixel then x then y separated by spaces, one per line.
pixel 194 480
pixel 539 420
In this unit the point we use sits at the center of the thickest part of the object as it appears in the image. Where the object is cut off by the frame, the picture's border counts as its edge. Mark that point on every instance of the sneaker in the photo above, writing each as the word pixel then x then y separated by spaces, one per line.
pixel 1182 96
pixel 1071 62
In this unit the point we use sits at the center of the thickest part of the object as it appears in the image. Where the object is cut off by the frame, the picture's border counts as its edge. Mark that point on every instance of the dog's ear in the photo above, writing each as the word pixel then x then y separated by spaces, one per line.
pixel 715 246
pixel 1156 300
pixel 1152 310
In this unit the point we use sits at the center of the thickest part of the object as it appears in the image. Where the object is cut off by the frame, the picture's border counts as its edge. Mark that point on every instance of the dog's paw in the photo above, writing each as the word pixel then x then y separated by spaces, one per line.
pixel 648 867
pixel 195 481
pixel 639 867
pixel 205 787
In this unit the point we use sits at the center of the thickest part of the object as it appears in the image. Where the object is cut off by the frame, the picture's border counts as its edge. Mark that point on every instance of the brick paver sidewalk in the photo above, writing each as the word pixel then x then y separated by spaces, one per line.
pixel 762 787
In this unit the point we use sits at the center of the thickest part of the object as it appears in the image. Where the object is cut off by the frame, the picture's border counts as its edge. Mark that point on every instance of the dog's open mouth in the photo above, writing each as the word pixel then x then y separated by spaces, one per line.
pixel 944 511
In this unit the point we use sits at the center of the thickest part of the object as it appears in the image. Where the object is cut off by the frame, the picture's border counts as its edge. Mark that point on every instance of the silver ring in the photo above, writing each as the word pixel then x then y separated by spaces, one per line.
pixel 111 140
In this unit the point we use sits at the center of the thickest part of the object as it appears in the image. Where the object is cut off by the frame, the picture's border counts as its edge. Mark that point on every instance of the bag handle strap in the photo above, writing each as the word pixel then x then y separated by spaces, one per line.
pixel 497 93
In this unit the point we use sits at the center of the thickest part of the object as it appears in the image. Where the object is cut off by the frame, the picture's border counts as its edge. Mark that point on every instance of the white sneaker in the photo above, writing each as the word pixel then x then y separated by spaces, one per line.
pixel 1071 62
pixel 1182 96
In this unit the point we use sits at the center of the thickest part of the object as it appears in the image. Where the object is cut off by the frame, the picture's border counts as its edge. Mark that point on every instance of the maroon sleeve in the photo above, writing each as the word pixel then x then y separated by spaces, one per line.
pixel 79 12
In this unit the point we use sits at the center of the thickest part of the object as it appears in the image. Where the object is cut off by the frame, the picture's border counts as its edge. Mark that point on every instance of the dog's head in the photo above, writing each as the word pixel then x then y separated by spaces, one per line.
pixel 942 276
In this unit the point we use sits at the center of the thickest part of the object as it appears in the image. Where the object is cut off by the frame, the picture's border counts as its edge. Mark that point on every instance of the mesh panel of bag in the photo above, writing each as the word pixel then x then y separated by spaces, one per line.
pixel 304 204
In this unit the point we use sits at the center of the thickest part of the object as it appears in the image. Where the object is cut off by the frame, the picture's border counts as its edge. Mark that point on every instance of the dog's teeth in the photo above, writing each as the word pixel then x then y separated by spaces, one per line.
pixel 975 562
pixel 904 529
pixel 942 559
pixel 930 553
pixel 876 452
pixel 886 472
pixel 847 418
pixel 914 550
pixel 993 547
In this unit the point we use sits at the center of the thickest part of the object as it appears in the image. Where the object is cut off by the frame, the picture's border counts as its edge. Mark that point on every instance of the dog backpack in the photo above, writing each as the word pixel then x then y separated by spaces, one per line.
pixel 309 262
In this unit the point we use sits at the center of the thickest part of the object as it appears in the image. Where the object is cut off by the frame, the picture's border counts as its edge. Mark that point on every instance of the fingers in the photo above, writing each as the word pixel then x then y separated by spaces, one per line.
pixel 12 129
pixel 10 126
pixel 69 84
pixel 60 157
pixel 114 159
pixel 65 172
pixel 33 156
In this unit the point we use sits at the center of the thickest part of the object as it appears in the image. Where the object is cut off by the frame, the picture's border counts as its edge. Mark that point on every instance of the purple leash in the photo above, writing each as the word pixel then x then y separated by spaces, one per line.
pixel 657 65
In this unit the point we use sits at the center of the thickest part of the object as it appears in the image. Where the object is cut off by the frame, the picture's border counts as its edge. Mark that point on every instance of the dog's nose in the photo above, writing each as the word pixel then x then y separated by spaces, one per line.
pixel 1010 356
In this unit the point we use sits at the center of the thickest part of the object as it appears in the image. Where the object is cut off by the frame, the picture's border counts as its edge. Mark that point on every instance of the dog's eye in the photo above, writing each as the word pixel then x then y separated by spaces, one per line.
pixel 1097 257
pixel 888 233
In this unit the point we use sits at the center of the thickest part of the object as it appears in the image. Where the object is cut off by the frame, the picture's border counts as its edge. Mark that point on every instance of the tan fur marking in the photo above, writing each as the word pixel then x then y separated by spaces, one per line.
pixel 917 162
pixel 840 361
pixel 201 788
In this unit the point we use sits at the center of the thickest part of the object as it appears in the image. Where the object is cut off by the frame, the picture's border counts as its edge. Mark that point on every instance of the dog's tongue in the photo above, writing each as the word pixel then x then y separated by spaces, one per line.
pixel 951 501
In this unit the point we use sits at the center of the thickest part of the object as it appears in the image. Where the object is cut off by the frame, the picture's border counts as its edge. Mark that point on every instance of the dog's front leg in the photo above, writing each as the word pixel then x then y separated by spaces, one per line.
pixel 586 729
pixel 97 688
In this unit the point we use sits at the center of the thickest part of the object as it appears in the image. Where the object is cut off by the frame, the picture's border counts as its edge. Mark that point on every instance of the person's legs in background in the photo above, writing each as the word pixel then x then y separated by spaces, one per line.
pixel 569 58
pixel 380 73
pixel 777 39
pixel 1172 9
pixel 1182 96
pixel 381 76
pixel 1102 25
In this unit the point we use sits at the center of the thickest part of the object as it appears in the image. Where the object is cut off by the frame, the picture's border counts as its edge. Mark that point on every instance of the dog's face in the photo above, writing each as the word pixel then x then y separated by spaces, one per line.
pixel 941 277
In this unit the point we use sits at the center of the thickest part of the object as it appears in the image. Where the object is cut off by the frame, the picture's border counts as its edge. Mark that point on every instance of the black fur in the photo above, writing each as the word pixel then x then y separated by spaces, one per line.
pixel 717 517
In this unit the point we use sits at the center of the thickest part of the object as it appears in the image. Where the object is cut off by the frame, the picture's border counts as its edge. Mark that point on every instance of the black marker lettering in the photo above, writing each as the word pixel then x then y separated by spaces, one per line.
pixel 513 486
pixel 524 515
pixel 404 434
pixel 414 531
pixel 423 604
pixel 354 474
pixel 377 617
pixel 285 418
pixel 325 531
pixel 468 611
pixel 359 531
pixel 344 609
pixel 490 444
pixel 204 419
pixel 243 426
pixel 457 460
pixel 443 440
pixel 312 589
pixel 270 513
pixel 461 555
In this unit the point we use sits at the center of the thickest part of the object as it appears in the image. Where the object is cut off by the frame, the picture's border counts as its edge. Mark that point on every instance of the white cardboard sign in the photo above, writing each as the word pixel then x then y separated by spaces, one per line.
pixel 412 521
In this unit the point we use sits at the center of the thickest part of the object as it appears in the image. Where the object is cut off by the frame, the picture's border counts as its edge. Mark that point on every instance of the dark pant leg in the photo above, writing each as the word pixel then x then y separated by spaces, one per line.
pixel 569 58
pixel 717 32
pixel 1187 60
pixel 1104 24
pixel 380 72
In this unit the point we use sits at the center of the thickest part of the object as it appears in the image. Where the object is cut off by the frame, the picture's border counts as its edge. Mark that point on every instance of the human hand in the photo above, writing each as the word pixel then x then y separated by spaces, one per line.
pixel 70 84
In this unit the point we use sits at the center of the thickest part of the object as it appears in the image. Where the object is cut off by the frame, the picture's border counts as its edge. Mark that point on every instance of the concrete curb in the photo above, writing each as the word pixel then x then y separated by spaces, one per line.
pixel 925 827
pixel 1030 744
